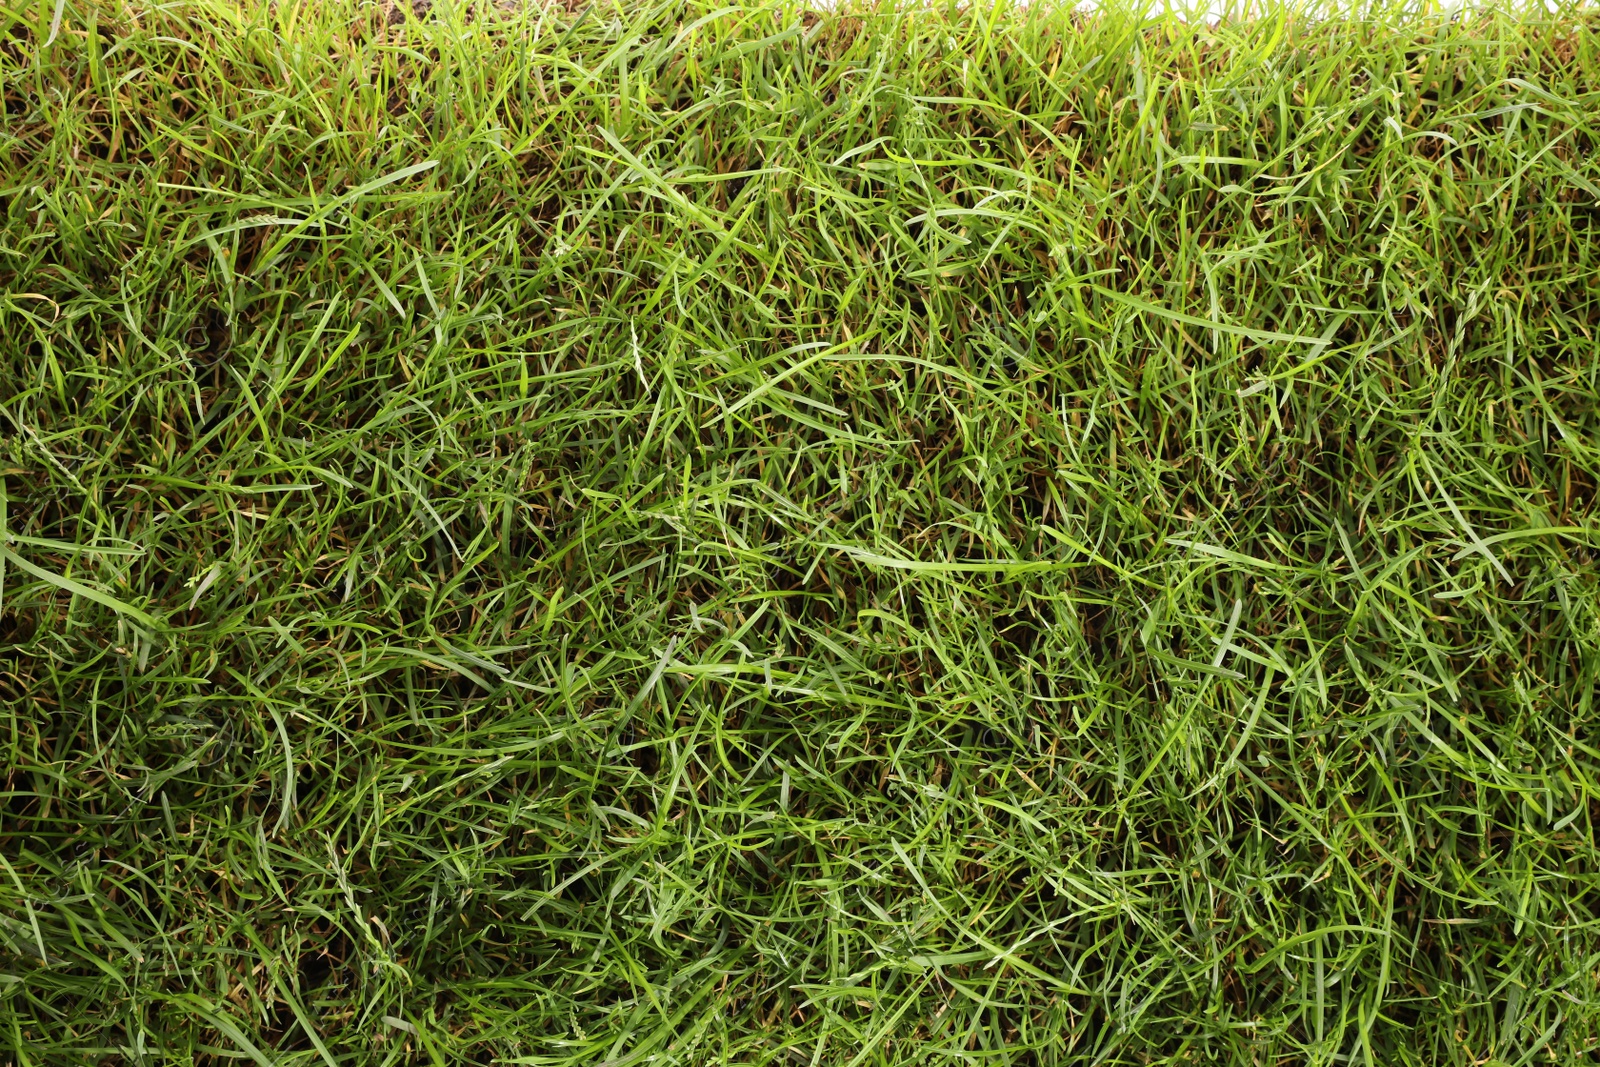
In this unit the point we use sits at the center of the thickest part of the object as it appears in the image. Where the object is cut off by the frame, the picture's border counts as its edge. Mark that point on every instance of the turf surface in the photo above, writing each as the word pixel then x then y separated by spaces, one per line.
pixel 723 536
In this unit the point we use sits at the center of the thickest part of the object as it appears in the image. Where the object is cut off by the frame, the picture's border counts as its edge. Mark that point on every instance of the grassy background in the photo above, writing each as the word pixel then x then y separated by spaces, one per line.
pixel 692 535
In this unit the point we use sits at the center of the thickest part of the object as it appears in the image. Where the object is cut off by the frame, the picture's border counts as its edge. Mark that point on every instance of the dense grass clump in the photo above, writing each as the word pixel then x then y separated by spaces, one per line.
pixel 694 535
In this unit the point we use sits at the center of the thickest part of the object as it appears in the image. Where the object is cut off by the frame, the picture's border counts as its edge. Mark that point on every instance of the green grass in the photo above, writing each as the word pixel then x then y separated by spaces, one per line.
pixel 683 535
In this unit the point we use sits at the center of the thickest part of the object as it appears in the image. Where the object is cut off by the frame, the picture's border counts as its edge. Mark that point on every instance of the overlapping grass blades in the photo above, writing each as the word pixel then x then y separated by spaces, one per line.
pixel 728 535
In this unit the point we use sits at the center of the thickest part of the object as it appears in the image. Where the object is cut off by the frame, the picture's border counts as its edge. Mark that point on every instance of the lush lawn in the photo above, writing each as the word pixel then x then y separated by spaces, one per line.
pixel 719 536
